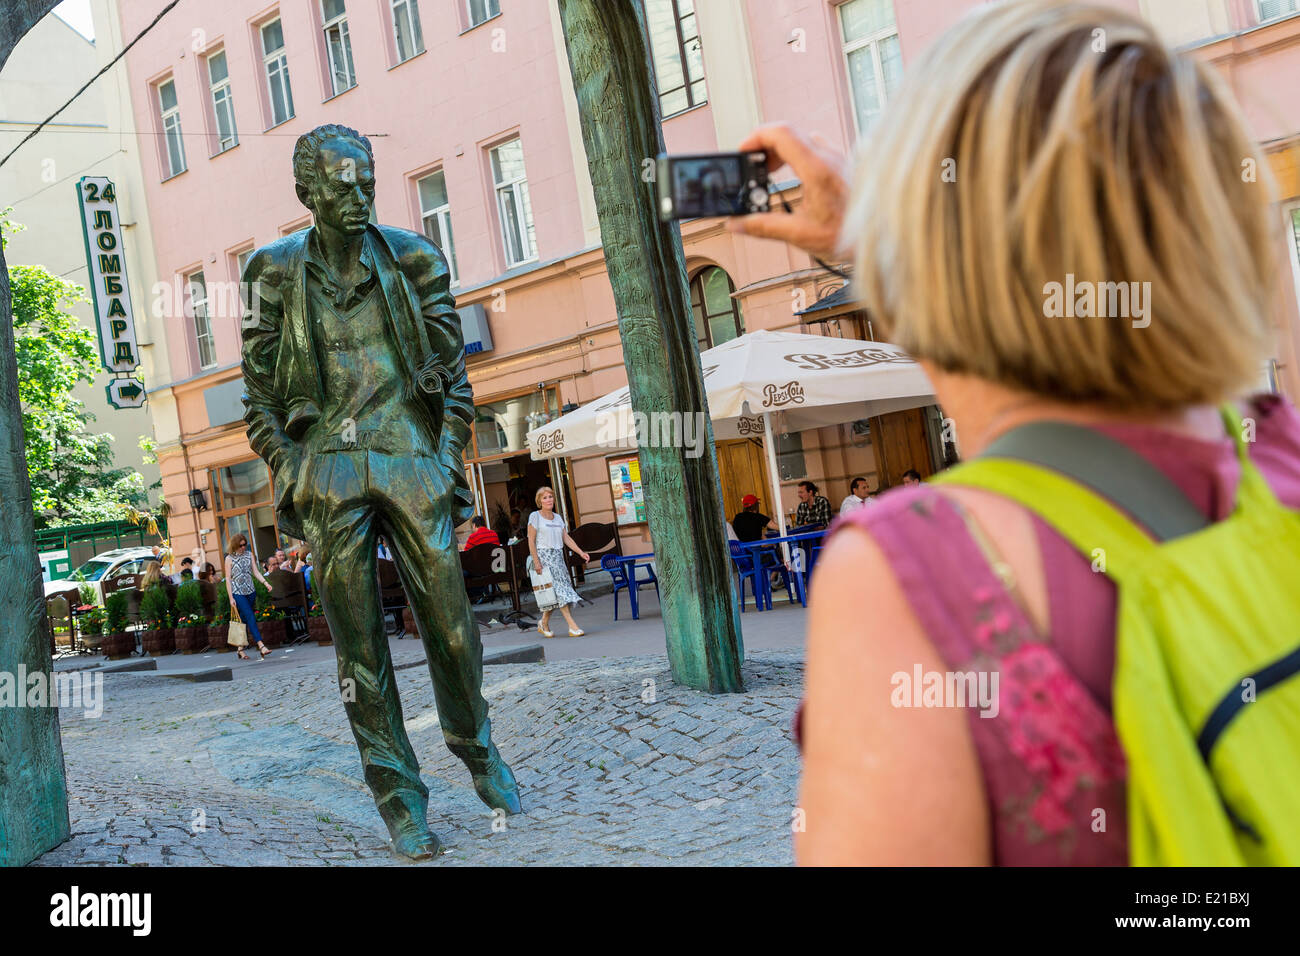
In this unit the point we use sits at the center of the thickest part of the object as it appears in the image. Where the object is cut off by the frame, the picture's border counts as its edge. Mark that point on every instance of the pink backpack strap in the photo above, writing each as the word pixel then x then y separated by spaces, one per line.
pixel 1053 768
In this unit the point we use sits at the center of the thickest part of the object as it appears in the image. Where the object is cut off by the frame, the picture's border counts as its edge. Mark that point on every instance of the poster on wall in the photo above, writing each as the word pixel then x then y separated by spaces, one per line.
pixel 625 486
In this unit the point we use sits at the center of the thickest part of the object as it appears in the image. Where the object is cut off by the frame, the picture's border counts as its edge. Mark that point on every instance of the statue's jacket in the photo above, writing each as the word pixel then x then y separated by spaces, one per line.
pixel 284 388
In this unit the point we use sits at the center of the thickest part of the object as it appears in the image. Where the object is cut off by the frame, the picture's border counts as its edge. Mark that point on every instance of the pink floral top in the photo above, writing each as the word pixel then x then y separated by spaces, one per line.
pixel 1052 765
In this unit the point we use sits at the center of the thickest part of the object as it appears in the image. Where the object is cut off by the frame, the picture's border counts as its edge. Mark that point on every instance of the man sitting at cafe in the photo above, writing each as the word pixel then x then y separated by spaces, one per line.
pixel 859 496
pixel 481 534
pixel 814 509
pixel 186 572
pixel 749 522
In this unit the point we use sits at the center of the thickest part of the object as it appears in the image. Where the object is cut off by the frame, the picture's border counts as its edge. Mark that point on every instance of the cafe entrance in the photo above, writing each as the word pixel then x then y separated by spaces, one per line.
pixel 243 502
pixel 503 475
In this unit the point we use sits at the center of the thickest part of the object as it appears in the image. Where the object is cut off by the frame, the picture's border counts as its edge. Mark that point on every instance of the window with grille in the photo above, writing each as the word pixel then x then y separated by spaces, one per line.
pixel 514 208
pixel 277 72
pixel 435 216
pixel 873 58
pixel 1272 9
pixel 170 113
pixel 406 29
pixel 223 105
pixel 677 55
pixel 338 46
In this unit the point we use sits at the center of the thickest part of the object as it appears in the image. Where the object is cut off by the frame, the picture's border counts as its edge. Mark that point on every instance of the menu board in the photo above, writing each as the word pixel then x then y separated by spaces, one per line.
pixel 625 485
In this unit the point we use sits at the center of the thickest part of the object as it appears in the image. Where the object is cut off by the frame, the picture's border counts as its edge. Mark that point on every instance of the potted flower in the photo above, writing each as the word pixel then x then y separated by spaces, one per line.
pixel 191 625
pixel 220 624
pixel 155 614
pixel 118 642
pixel 271 622
pixel 317 626
pixel 91 625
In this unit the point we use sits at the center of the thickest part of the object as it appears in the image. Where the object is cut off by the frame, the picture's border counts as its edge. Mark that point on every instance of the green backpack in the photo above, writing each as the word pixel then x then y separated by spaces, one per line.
pixel 1207 658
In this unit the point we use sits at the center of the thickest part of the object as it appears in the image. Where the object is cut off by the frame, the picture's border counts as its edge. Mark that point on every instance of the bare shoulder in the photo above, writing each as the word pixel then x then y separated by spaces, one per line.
pixel 882 784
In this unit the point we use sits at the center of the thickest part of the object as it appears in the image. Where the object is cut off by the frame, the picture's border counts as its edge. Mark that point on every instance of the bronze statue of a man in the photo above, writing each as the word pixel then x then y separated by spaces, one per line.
pixel 358 399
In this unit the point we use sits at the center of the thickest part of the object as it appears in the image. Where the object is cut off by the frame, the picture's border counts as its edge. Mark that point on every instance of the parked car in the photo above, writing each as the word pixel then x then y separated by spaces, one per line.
pixel 108 564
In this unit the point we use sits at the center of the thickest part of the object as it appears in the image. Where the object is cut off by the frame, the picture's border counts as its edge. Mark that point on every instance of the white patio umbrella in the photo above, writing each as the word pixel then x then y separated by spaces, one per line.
pixel 809 380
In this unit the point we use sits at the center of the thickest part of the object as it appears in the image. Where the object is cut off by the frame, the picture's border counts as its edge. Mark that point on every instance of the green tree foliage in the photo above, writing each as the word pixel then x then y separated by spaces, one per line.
pixel 70 468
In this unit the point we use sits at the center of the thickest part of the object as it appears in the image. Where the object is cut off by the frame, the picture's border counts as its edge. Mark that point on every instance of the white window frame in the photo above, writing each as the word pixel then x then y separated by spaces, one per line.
pixel 171 128
pixel 273 62
pixel 873 40
pixel 222 100
pixel 687 84
pixel 518 188
pixel 410 11
pixel 198 309
pixel 488 6
pixel 442 214
pixel 346 70
pixel 1259 13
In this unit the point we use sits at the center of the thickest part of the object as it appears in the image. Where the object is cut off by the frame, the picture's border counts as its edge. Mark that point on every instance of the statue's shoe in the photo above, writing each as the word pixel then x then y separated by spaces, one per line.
pixel 417 846
pixel 496 786
pixel 403 812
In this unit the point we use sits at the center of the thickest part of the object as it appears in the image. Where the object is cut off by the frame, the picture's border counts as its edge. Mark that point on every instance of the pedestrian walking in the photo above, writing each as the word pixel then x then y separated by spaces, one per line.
pixel 240 571
pixel 547 536
pixel 1113 166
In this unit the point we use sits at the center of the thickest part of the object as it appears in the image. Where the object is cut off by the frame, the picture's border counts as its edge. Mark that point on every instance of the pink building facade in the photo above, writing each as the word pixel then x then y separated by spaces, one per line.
pixel 471 114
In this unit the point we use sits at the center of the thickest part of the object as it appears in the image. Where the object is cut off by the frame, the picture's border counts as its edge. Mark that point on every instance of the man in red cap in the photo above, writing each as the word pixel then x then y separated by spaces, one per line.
pixel 750 522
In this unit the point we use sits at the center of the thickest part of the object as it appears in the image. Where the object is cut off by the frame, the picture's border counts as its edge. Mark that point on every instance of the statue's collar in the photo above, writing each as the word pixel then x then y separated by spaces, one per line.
pixel 333 285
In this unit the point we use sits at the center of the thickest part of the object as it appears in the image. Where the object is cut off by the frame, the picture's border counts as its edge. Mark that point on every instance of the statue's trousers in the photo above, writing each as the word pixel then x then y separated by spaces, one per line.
pixel 347 498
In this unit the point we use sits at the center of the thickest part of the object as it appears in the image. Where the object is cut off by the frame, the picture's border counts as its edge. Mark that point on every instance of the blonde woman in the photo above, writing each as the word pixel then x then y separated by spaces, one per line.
pixel 241 569
pixel 1016 155
pixel 547 536
pixel 152 575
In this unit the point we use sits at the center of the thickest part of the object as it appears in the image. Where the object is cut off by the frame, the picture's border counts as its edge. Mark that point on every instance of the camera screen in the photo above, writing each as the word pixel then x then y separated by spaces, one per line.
pixel 708 186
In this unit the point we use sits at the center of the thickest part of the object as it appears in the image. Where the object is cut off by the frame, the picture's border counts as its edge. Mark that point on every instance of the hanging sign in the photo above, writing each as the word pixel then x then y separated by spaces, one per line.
pixel 106 261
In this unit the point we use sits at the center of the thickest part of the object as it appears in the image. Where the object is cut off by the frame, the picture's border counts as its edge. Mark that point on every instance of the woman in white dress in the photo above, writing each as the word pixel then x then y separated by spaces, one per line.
pixel 547 536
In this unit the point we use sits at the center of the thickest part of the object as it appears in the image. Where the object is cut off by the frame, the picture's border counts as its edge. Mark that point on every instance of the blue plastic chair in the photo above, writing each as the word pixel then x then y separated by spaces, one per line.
pixel 618 571
pixel 750 569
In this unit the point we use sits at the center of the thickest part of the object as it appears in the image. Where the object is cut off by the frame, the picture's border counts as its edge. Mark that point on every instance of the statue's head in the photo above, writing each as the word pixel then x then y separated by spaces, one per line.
pixel 333 171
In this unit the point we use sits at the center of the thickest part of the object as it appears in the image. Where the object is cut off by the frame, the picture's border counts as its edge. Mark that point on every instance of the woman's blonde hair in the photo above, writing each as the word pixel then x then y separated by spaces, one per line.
pixel 1040 149
pixel 537 498
pixel 237 542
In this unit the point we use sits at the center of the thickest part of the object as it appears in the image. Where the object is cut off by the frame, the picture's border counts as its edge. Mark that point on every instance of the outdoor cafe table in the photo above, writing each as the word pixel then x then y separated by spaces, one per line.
pixel 629 563
pixel 797 566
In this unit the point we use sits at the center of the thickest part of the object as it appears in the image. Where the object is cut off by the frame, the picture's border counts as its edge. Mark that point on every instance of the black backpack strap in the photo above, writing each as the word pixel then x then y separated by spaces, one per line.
pixel 1109 468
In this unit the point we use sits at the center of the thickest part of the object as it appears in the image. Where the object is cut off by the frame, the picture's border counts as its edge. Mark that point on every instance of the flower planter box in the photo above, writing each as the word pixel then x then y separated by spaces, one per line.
pixel 319 629
pixel 117 646
pixel 217 637
pixel 192 640
pixel 272 633
pixel 158 643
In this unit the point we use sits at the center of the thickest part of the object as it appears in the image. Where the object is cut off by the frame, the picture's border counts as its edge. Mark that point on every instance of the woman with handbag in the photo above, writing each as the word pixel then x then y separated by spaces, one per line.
pixel 547 536
pixel 240 571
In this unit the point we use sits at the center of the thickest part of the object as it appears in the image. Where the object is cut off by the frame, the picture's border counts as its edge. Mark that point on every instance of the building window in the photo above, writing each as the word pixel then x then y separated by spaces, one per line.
pixel 513 206
pixel 481 11
pixel 170 113
pixel 241 261
pixel 789 456
pixel 243 503
pixel 406 29
pixel 717 315
pixel 198 310
pixel 435 215
pixel 1273 9
pixel 277 72
pixel 678 58
pixel 873 58
pixel 223 105
pixel 338 46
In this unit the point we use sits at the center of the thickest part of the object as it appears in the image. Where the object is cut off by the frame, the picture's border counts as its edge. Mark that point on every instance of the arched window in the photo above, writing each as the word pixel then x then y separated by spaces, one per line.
pixel 717 314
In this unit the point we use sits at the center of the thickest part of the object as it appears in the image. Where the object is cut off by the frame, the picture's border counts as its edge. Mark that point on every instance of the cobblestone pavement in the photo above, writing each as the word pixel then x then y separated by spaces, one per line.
pixel 612 769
